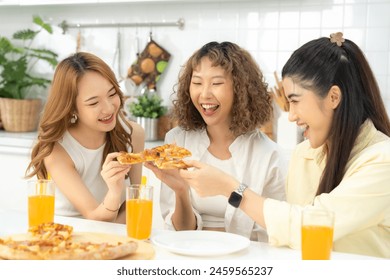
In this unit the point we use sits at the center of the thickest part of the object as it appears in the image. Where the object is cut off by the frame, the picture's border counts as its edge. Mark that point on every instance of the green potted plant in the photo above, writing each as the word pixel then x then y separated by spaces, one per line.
pixel 19 107
pixel 147 109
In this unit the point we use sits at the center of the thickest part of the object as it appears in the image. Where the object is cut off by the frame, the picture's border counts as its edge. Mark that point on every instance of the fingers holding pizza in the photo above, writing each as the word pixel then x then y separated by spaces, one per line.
pixel 114 173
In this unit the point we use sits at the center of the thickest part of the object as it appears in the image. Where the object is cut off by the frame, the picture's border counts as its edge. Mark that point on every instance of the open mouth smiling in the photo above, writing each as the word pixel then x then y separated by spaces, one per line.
pixel 209 107
pixel 106 118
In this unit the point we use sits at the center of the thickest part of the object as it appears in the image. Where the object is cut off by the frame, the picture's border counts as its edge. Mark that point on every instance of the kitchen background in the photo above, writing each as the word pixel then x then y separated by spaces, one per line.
pixel 270 30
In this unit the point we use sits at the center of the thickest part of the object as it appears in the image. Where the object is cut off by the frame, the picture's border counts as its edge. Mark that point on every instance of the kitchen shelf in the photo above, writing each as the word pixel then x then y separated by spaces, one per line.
pixel 65 25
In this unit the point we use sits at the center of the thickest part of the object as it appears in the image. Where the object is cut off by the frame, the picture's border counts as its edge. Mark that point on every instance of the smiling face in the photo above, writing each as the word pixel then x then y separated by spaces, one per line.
pixel 211 92
pixel 310 112
pixel 97 103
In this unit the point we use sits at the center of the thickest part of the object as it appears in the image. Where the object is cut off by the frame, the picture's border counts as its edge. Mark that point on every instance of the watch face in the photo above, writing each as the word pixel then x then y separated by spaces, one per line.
pixel 235 199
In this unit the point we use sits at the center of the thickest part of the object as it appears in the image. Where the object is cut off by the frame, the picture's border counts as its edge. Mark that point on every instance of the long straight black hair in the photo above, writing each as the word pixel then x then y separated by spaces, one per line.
pixel 317 66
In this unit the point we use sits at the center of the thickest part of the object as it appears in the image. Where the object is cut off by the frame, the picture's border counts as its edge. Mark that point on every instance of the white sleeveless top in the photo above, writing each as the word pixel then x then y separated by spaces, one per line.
pixel 88 164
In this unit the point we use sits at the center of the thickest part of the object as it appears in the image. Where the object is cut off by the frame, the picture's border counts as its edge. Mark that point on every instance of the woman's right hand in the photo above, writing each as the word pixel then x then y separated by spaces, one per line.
pixel 170 177
pixel 202 175
pixel 114 173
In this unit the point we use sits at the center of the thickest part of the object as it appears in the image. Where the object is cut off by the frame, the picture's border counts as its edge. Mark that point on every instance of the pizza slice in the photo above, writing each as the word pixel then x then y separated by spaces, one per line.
pixel 51 231
pixel 176 152
pixel 171 164
pixel 130 158
pixel 150 154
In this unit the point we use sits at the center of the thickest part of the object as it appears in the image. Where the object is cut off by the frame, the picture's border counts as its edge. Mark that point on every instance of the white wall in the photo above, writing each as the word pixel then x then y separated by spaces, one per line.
pixel 270 30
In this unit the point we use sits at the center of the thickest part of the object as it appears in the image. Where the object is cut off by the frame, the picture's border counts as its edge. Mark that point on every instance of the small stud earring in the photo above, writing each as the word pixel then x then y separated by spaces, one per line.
pixel 73 119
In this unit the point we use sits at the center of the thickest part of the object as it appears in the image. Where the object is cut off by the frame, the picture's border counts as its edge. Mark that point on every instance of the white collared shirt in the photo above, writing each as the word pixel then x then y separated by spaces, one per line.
pixel 255 161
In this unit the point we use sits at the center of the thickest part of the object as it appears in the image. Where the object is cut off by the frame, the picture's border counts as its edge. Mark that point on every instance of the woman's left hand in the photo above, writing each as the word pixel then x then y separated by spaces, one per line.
pixel 169 177
pixel 207 180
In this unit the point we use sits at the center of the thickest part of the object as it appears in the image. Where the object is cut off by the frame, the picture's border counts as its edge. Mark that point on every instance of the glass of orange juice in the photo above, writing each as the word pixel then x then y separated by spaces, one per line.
pixel 317 234
pixel 139 210
pixel 40 201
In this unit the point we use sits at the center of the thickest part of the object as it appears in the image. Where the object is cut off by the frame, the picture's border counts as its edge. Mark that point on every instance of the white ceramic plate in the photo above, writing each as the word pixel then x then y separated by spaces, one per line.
pixel 200 243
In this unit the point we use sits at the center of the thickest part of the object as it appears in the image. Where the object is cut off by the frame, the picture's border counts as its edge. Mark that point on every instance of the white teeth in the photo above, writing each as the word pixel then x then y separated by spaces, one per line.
pixel 107 118
pixel 209 106
pixel 303 127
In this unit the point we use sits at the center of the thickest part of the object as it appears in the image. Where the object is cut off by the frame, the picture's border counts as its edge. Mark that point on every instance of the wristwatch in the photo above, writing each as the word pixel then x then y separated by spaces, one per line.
pixel 236 196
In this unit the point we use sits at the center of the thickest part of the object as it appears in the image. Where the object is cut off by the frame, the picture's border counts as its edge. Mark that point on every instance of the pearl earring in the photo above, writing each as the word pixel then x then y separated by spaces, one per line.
pixel 73 119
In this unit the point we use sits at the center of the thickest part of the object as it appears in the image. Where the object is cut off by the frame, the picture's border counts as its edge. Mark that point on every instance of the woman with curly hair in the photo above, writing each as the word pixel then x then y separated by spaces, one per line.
pixel 80 134
pixel 221 101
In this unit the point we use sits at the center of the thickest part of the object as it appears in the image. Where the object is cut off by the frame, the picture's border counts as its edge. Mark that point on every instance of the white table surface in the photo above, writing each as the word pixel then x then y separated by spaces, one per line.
pixel 14 222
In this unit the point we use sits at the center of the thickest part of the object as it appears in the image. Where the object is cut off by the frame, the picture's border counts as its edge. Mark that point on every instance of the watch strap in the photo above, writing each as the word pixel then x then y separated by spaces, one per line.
pixel 241 188
pixel 236 196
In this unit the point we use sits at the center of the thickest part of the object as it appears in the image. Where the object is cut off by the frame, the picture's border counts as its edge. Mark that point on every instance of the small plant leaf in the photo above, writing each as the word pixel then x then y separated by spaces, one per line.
pixel 26 34
pixel 38 21
pixel 148 106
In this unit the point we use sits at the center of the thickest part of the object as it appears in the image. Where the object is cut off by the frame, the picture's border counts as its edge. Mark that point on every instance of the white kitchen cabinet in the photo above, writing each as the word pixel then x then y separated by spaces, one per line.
pixel 13 192
pixel 14 157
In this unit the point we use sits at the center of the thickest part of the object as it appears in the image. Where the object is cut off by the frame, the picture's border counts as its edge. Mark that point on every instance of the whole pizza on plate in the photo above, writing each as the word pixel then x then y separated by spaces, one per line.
pixel 52 241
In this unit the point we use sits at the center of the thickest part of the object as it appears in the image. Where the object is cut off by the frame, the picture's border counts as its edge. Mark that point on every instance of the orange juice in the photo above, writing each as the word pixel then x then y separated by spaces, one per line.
pixel 40 209
pixel 317 242
pixel 139 218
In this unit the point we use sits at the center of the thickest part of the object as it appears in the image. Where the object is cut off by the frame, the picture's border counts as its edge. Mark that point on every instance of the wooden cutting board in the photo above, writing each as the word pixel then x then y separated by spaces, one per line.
pixel 144 251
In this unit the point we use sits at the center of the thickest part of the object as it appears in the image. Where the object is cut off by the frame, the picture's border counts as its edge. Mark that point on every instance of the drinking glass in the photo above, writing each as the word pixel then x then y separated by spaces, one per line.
pixel 40 201
pixel 139 210
pixel 317 234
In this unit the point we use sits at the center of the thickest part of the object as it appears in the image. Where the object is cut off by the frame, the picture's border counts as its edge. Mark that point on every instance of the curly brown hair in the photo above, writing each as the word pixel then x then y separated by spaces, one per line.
pixel 252 104
pixel 61 104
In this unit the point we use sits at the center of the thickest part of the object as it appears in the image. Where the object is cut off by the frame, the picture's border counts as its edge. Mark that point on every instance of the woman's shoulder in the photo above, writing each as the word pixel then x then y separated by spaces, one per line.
pixel 58 154
pixel 67 141
pixel 371 144
pixel 378 147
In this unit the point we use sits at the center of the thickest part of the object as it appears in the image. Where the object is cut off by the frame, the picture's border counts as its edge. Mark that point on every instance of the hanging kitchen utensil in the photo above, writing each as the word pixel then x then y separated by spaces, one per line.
pixel 278 94
pixel 118 57
pixel 78 41
pixel 150 64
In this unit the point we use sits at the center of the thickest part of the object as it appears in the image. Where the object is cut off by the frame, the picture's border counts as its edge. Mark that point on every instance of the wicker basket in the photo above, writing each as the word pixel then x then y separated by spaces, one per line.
pixel 20 115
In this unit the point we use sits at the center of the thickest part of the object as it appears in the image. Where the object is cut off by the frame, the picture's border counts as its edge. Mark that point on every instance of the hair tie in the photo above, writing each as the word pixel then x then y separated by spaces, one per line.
pixel 337 38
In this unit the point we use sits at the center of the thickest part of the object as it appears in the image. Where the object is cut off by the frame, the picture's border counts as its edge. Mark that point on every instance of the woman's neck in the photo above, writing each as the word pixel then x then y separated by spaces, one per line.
pixel 220 140
pixel 88 139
